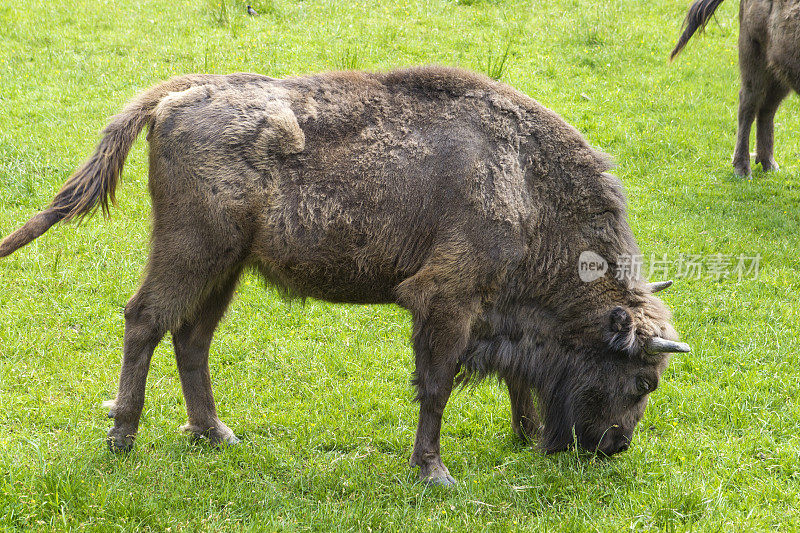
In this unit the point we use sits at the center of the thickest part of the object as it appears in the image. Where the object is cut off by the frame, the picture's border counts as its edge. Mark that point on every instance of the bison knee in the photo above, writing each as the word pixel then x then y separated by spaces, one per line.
pixel 142 320
pixel 428 392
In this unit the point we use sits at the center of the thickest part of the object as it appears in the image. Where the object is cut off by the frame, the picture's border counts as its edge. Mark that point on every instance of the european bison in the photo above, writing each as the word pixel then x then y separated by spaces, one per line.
pixel 769 66
pixel 456 197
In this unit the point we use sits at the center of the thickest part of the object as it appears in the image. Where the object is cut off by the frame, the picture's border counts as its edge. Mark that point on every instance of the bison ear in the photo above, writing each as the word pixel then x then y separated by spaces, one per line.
pixel 621 333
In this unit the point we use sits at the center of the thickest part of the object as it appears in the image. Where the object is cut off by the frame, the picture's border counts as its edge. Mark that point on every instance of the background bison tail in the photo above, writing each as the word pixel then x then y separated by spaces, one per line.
pixel 696 18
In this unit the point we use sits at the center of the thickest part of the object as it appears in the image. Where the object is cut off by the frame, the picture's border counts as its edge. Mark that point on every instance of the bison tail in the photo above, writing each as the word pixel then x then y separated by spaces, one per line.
pixel 95 182
pixel 696 18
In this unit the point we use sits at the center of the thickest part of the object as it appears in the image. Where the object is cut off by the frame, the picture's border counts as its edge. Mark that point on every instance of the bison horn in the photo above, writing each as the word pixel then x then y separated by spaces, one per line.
pixel 659 345
pixel 659 286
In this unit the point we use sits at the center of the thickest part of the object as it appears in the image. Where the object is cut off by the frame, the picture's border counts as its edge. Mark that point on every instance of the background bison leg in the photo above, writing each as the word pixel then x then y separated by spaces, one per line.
pixel 753 73
pixel 439 339
pixel 524 417
pixel 192 341
pixel 747 113
pixel 775 93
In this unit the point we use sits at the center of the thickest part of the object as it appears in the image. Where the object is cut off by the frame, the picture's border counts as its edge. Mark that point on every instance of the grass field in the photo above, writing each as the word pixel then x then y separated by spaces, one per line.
pixel 320 393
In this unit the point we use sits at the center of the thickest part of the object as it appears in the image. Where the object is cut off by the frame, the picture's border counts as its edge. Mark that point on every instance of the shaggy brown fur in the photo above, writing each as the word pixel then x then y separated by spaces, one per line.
pixel 454 196
pixel 769 66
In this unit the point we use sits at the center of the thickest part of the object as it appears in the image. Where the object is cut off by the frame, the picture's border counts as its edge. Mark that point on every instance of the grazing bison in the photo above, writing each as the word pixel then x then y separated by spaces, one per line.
pixel 454 196
pixel 769 66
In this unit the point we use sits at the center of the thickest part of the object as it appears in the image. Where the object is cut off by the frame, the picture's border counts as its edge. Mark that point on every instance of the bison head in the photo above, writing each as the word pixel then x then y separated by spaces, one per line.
pixel 591 378
pixel 596 392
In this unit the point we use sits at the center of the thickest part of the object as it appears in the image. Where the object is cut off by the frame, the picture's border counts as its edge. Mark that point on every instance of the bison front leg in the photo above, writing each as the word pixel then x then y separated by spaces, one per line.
pixel 438 342
pixel 192 341
pixel 524 418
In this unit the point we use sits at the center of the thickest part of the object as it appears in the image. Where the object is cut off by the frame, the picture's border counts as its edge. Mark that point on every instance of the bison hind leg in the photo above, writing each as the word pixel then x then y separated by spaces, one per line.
pixel 192 341
pixel 110 405
pixel 186 290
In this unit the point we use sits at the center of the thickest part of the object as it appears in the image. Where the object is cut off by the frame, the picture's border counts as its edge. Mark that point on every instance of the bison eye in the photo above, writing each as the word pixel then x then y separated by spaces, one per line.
pixel 643 386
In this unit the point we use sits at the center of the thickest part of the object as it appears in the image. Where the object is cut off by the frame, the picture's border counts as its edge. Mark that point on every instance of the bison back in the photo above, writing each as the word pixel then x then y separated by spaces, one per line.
pixel 342 186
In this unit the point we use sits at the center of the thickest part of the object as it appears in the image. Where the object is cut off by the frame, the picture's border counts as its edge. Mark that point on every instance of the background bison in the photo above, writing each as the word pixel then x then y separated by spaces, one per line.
pixel 456 197
pixel 769 65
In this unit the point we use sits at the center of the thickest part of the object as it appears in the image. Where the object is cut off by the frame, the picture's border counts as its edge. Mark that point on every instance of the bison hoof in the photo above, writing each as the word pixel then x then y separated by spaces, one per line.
pixel 768 165
pixel 434 473
pixel 218 435
pixel 120 441
pixel 445 480
pixel 742 171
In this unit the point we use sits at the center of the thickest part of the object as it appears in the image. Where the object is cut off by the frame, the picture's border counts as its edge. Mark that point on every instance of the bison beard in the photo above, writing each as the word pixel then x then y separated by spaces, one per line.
pixel 454 196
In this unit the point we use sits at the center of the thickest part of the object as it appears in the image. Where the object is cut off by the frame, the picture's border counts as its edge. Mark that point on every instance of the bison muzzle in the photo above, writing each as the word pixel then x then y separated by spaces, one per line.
pixel 451 195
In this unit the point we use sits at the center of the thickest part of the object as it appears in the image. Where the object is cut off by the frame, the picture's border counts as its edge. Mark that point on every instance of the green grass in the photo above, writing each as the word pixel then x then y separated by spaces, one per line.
pixel 319 393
